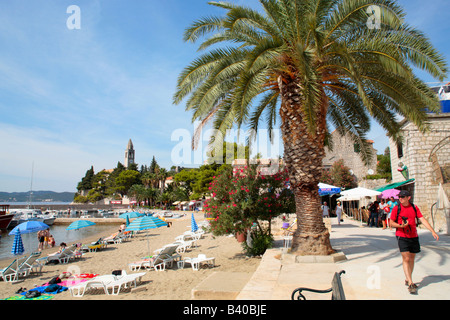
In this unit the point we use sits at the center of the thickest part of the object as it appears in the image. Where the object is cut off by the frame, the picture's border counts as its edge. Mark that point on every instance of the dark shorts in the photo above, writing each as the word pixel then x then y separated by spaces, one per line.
pixel 411 245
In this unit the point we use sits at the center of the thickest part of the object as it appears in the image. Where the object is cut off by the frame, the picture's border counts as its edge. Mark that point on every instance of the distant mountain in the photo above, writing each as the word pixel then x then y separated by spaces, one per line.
pixel 37 196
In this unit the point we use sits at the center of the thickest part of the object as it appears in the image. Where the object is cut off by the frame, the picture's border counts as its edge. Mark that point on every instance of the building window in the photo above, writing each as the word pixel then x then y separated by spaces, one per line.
pixel 400 150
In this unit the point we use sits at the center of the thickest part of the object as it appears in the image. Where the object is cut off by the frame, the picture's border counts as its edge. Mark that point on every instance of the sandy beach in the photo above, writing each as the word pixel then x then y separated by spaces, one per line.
pixel 171 284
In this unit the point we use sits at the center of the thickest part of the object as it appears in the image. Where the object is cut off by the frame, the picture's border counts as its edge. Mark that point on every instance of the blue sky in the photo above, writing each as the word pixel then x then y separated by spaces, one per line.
pixel 70 99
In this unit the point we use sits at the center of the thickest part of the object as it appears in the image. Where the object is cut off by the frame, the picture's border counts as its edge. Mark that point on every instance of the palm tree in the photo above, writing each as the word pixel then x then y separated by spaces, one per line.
pixel 162 176
pixel 314 63
pixel 137 191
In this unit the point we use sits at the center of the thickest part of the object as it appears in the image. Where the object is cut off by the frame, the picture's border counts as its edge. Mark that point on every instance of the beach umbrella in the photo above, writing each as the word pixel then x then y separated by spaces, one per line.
pixel 390 193
pixel 131 215
pixel 17 248
pixel 326 189
pixel 29 227
pixel 80 224
pixel 145 223
pixel 128 221
pixel 194 226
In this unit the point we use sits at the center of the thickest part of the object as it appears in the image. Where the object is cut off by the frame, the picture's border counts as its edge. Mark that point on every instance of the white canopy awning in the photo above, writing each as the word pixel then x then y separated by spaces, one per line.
pixel 357 194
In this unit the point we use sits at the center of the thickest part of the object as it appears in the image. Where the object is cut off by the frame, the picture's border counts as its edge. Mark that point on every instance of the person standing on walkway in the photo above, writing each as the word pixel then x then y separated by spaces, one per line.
pixel 407 236
pixel 325 210
pixel 382 213
pixel 373 218
pixel 391 203
pixel 338 212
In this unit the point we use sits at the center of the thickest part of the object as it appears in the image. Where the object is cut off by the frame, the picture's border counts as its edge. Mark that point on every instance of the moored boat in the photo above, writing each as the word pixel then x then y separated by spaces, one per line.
pixel 5 216
pixel 24 215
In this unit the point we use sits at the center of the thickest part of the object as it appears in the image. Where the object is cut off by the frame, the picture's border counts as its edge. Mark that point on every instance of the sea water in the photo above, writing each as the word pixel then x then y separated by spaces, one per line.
pixel 59 232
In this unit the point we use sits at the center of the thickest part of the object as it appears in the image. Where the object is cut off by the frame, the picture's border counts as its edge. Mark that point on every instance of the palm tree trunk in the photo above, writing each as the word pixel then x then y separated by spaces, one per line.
pixel 303 155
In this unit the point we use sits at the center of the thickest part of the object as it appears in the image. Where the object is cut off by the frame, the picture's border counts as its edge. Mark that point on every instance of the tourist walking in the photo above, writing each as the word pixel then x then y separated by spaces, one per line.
pixel 391 203
pixel 338 212
pixel 373 212
pixel 325 210
pixel 382 213
pixel 404 218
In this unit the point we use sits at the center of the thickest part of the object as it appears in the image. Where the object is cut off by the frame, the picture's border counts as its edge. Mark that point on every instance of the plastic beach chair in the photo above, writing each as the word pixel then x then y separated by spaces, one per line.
pixel 166 256
pixel 197 261
pixel 31 264
pixel 11 272
pixel 65 256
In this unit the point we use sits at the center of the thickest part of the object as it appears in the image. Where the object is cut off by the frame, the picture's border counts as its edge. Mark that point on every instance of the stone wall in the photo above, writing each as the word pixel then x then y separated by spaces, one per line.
pixel 343 148
pixel 418 152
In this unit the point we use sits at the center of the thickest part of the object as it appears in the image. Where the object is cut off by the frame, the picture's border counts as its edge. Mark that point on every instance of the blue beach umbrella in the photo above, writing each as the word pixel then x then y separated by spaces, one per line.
pixel 131 215
pixel 29 227
pixel 326 189
pixel 194 226
pixel 17 248
pixel 80 224
pixel 144 223
pixel 128 221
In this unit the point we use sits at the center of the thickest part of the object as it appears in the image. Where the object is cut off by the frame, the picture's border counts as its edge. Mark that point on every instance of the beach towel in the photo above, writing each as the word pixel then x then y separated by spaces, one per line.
pixel 55 289
pixel 41 297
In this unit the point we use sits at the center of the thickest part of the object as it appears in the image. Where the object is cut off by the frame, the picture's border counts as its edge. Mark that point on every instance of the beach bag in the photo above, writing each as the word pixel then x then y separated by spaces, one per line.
pixel 54 280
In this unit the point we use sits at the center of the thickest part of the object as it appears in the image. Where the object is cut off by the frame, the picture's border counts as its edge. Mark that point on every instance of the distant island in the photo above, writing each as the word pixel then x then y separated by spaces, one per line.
pixel 37 196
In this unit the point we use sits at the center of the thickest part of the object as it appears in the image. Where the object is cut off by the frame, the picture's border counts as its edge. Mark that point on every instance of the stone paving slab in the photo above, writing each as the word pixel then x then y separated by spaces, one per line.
pixel 373 268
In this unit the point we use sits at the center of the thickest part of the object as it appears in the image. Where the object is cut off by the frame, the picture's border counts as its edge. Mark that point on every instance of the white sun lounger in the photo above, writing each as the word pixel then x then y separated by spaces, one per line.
pixel 110 284
pixel 197 261
pixel 12 272
pixel 166 257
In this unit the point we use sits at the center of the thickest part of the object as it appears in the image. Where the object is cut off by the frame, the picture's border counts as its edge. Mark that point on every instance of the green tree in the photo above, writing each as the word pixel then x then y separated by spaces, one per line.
pixel 153 165
pixel 242 198
pixel 310 62
pixel 138 192
pixel 111 182
pixel 125 180
pixel 384 165
pixel 341 176
pixel 86 181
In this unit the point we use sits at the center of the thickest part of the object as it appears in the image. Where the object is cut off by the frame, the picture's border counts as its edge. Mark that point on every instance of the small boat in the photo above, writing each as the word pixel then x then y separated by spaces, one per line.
pixel 25 215
pixel 5 216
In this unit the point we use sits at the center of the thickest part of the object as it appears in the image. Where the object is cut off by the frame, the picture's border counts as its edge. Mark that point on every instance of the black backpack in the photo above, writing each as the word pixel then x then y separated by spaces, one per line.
pixel 399 207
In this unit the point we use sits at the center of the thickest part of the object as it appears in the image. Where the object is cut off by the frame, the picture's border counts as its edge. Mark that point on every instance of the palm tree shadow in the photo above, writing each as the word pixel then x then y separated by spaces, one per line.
pixel 433 279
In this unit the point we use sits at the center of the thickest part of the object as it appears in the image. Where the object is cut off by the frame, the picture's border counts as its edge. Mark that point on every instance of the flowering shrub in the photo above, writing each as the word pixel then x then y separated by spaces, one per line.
pixel 242 199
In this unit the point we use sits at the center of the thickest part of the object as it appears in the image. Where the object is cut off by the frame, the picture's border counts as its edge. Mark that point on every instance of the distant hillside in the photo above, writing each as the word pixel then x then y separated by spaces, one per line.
pixel 38 196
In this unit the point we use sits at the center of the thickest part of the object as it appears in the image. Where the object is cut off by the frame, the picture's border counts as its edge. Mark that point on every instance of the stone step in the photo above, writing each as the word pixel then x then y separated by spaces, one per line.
pixel 221 286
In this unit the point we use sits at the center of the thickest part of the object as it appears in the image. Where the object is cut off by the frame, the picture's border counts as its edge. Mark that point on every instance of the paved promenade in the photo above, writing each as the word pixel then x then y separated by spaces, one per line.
pixel 373 268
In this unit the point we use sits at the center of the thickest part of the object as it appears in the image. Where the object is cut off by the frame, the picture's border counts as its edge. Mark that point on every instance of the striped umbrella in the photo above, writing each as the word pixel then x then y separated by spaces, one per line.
pixel 80 224
pixel 131 215
pixel 144 223
pixel 194 226
pixel 17 248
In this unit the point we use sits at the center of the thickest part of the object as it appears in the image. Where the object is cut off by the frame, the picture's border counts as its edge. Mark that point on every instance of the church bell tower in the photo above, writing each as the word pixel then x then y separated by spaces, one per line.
pixel 129 154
